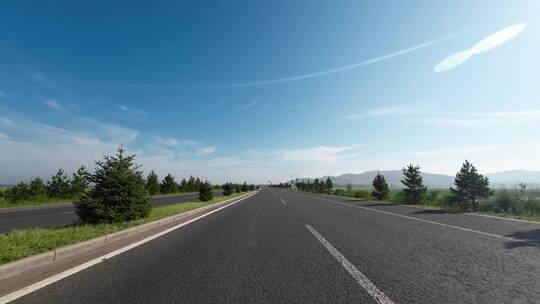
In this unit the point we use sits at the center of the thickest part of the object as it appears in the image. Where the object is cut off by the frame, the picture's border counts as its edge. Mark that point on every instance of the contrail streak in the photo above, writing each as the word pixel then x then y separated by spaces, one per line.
pixel 331 71
pixel 298 77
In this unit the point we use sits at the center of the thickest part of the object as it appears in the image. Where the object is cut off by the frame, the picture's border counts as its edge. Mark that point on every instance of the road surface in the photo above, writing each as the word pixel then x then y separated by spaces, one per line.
pixel 286 247
pixel 64 214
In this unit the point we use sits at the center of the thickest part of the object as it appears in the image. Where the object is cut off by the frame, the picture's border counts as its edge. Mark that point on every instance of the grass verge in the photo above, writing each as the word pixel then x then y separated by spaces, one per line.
pixel 445 209
pixel 19 244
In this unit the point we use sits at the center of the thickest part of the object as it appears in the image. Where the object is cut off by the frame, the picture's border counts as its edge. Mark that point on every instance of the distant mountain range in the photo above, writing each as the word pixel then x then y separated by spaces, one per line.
pixel 393 177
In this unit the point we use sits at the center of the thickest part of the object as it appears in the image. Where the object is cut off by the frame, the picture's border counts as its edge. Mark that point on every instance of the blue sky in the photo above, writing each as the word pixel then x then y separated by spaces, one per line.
pixel 237 90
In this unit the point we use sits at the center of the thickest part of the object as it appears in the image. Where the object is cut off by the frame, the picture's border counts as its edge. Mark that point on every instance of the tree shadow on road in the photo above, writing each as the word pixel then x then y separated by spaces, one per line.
pixel 436 211
pixel 530 238
pixel 369 204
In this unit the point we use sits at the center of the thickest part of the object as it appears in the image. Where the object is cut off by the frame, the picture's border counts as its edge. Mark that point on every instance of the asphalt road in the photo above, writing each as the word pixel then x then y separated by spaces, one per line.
pixel 64 214
pixel 284 247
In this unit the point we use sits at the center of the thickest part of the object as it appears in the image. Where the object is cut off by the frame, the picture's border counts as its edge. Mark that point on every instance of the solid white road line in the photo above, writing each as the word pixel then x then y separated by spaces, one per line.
pixel 67 212
pixel 371 289
pixel 55 278
pixel 424 221
pixel 283 201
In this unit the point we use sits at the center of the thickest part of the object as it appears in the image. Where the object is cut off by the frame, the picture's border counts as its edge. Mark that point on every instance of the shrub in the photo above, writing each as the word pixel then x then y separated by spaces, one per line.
pixel 340 192
pixel 397 197
pixel 19 192
pixel 512 202
pixel 362 194
pixel 118 194
pixel 205 192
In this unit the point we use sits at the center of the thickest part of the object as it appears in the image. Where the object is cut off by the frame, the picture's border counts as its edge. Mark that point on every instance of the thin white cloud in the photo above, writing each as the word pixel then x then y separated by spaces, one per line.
pixel 460 151
pixel 482 118
pixel 388 111
pixel 247 106
pixel 508 116
pixel 53 104
pixel 7 122
pixel 482 46
pixel 43 80
pixel 314 155
pixel 4 136
pixel 447 121
pixel 34 148
pixel 132 111
pixel 203 151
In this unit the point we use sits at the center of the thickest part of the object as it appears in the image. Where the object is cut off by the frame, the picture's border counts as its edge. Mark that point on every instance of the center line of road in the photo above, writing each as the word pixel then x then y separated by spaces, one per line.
pixel 425 221
pixel 371 289
pixel 283 201
pixel 67 212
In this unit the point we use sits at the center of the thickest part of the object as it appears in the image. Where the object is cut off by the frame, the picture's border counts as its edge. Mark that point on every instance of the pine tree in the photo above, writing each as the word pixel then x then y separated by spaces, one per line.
pixel 37 187
pixel 118 194
pixel 152 183
pixel 168 185
pixel 79 183
pixel 197 184
pixel 58 185
pixel 413 181
pixel 328 185
pixel 191 184
pixel 245 187
pixel 183 185
pixel 227 189
pixel 316 185
pixel 380 186
pixel 205 191
pixel 470 186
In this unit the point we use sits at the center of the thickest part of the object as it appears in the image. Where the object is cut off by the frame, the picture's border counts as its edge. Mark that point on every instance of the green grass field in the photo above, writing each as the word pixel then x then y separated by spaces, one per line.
pixel 18 244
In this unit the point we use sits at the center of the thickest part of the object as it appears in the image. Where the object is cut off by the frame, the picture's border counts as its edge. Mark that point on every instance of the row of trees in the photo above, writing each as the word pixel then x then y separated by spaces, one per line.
pixel 169 185
pixel 120 192
pixel 230 188
pixel 318 186
pixel 116 191
pixel 58 186
pixel 470 186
